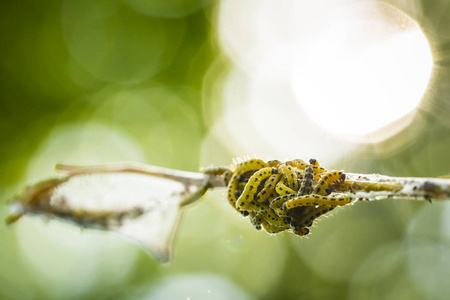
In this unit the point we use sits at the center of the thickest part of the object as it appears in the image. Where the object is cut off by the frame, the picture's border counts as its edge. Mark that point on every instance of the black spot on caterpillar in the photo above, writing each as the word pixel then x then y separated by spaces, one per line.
pixel 252 186
pixel 313 200
pixel 328 179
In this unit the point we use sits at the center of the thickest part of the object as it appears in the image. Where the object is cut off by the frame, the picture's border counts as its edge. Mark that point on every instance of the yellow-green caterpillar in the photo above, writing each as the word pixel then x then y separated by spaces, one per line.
pixel 326 180
pixel 277 204
pixel 314 200
pixel 301 231
pixel 291 176
pixel 282 189
pixel 269 187
pixel 251 188
pixel 256 219
pixel 273 229
pixel 311 213
pixel 301 165
pixel 252 164
pixel 268 214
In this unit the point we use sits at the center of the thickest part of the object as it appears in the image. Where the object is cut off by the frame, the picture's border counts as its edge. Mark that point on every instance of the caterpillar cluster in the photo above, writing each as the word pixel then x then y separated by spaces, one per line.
pixel 280 196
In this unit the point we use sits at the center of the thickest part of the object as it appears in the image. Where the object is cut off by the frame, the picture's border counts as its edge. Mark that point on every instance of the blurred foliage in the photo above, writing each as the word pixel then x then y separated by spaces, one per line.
pixel 62 60
pixel 95 81
pixel 86 82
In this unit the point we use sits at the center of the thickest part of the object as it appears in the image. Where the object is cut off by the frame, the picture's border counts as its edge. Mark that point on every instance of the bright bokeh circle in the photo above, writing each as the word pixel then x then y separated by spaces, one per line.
pixel 320 73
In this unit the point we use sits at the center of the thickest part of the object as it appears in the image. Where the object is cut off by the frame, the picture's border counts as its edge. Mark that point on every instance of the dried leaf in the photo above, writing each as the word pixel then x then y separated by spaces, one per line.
pixel 140 202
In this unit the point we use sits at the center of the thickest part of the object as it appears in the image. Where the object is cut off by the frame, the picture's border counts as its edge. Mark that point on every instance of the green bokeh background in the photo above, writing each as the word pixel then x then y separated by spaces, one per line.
pixel 98 81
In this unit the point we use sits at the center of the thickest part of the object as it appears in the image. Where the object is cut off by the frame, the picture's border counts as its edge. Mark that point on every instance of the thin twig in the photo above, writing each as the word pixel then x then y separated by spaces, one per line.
pixel 370 187
pixel 188 178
